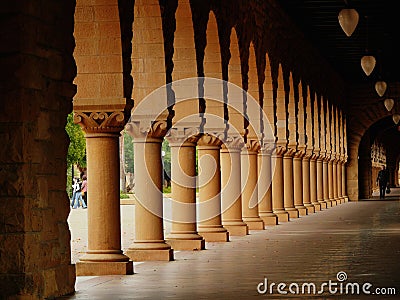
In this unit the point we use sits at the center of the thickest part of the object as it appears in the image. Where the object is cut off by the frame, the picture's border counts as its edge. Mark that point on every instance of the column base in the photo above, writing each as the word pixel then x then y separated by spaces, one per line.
pixel 328 203
pixel 237 230
pixel 323 205
pixel 293 213
pixel 84 268
pixel 222 236
pixel 333 201
pixel 269 219
pixel 310 208
pixel 188 245
pixel 283 216
pixel 302 210
pixel 254 223
pixel 317 206
pixel 150 254
pixel 346 199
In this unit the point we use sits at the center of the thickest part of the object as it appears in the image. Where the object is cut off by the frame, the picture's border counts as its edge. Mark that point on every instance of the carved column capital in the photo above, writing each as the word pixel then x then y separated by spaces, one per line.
pixel 279 150
pixel 144 130
pixel 267 148
pixel 100 122
pixel 177 136
pixel 252 146
pixel 290 152
pixel 209 140
pixel 300 153
pixel 234 142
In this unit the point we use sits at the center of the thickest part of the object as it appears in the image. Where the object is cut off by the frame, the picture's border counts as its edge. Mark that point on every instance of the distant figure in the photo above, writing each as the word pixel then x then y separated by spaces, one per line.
pixel 84 189
pixel 167 179
pixel 382 180
pixel 77 194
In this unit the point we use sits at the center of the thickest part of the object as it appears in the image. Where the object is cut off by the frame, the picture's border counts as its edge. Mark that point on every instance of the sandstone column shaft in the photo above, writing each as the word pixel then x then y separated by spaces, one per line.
pixel 249 176
pixel 313 184
pixel 306 185
pixel 209 225
pixel 320 188
pixel 183 235
pixel 265 188
pixel 104 255
pixel 231 195
pixel 326 183
pixel 288 185
pixel 298 185
pixel 277 188
pixel 149 243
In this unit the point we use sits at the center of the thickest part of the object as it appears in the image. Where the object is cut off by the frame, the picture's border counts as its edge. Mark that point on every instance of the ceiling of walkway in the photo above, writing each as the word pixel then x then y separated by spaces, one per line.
pixel 378 26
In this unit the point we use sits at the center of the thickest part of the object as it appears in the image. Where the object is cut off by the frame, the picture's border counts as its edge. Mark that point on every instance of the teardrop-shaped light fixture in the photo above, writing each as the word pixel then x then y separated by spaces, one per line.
pixel 348 20
pixel 389 103
pixel 380 88
pixel 368 64
pixel 396 118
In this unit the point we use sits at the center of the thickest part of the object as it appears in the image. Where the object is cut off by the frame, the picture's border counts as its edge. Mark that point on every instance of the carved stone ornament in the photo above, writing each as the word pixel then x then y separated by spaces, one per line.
pixel 280 150
pixel 252 146
pixel 100 121
pixel 267 148
pixel 234 142
pixel 208 139
pixel 143 129
pixel 290 152
pixel 181 135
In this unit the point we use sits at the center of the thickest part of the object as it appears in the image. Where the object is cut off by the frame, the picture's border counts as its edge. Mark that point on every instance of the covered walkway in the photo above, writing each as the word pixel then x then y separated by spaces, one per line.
pixel 361 239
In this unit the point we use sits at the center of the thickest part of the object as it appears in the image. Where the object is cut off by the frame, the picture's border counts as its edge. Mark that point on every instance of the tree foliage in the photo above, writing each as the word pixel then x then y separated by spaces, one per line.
pixel 77 145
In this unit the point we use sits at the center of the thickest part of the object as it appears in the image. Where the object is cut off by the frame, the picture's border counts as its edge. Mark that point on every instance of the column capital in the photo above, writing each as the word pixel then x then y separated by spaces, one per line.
pixel 101 122
pixel 208 139
pixel 300 153
pixel 252 146
pixel 279 150
pixel 290 152
pixel 234 142
pixel 267 148
pixel 177 136
pixel 145 130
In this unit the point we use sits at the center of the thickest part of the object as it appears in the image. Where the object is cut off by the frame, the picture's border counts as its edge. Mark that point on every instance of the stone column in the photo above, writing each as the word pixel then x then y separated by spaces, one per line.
pixel 209 225
pixel 346 198
pixel 149 243
pixel 335 179
pixel 339 181
pixel 231 195
pixel 183 235
pixel 249 177
pixel 265 185
pixel 104 255
pixel 306 183
pixel 320 187
pixel 330 181
pixel 313 181
pixel 298 183
pixel 326 182
pixel 288 194
pixel 277 185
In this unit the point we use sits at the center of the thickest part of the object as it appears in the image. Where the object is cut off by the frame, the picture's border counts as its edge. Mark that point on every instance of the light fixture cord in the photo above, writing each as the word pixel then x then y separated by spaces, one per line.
pixel 366 49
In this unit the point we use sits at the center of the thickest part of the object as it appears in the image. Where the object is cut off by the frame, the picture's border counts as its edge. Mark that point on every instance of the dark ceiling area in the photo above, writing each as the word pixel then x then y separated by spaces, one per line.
pixel 377 31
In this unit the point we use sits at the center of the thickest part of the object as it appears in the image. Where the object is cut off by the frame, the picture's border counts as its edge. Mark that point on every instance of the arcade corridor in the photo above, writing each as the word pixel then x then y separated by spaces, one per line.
pixel 359 238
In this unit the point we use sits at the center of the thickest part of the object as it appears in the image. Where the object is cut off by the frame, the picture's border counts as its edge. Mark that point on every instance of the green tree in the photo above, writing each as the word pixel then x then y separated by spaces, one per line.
pixel 128 151
pixel 76 149
pixel 77 144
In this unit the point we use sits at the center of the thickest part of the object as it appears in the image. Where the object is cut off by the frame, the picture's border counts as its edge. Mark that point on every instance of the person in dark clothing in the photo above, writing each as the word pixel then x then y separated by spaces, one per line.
pixel 382 180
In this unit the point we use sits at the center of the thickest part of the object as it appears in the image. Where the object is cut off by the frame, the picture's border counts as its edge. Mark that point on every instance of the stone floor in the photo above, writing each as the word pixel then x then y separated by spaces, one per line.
pixel 361 239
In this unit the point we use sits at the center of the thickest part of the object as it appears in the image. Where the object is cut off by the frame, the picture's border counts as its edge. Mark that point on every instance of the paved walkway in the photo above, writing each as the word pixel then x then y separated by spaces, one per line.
pixel 361 239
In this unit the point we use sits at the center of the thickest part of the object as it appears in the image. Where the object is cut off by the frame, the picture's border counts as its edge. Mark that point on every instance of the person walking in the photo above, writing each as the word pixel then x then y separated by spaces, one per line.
pixel 78 195
pixel 382 180
pixel 84 189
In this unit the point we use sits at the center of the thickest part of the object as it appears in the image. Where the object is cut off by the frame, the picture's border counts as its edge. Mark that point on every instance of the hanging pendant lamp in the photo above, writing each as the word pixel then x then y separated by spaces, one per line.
pixel 380 88
pixel 348 20
pixel 389 103
pixel 396 118
pixel 368 64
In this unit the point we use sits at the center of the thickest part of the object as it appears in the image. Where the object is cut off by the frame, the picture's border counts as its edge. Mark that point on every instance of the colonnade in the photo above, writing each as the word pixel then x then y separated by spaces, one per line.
pixel 269 150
